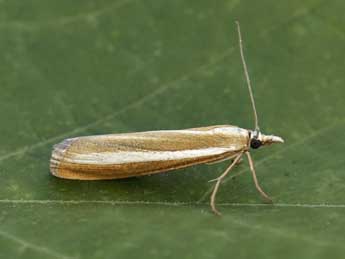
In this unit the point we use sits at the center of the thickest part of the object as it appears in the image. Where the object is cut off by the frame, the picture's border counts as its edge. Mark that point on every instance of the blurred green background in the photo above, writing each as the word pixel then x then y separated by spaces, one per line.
pixel 71 68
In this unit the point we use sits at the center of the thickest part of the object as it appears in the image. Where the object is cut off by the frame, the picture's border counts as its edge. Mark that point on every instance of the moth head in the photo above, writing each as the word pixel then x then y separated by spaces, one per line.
pixel 257 139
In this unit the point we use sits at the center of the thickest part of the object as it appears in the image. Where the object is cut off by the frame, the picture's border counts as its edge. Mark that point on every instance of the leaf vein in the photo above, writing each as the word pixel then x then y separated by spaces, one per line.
pixel 65 20
pixel 32 246
pixel 171 204
pixel 163 88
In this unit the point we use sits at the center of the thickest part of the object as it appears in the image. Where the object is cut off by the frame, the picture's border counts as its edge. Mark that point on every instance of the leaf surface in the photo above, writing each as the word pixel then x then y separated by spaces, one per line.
pixel 80 68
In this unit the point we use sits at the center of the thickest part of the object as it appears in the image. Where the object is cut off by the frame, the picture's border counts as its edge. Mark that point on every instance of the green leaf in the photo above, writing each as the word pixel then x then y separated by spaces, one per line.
pixel 71 68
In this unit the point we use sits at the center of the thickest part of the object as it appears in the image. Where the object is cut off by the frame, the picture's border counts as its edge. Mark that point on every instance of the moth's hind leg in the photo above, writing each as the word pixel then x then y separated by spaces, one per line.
pixel 218 182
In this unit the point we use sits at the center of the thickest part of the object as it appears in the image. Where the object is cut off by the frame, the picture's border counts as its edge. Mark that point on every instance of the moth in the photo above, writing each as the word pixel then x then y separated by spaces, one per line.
pixel 117 156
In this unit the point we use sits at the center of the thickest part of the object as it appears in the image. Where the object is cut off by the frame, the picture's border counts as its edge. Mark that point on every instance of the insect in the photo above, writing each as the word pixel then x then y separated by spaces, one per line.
pixel 117 156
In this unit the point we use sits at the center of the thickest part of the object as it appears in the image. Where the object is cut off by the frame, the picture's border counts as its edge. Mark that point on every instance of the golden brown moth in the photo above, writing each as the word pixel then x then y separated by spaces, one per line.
pixel 117 156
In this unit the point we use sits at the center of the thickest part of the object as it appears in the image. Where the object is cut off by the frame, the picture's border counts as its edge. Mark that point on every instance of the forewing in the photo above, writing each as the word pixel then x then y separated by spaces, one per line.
pixel 134 154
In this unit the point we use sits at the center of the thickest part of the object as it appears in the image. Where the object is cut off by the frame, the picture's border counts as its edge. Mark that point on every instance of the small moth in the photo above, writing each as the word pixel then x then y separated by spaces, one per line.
pixel 117 156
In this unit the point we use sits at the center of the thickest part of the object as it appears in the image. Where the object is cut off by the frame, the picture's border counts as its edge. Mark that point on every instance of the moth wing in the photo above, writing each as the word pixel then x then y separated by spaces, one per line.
pixel 134 154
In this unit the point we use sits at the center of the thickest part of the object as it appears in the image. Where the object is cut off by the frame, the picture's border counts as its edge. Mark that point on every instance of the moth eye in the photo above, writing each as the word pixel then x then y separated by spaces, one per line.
pixel 255 143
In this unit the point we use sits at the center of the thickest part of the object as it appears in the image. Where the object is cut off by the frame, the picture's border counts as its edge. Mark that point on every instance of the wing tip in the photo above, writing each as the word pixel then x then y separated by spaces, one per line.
pixel 58 154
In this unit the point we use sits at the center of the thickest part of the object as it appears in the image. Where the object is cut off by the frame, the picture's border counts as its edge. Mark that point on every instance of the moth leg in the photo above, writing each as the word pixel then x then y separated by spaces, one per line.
pixel 218 182
pixel 239 161
pixel 222 160
pixel 258 187
pixel 232 158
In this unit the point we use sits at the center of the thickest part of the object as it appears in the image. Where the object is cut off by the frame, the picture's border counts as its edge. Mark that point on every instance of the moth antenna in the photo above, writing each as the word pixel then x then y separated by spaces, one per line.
pixel 257 129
